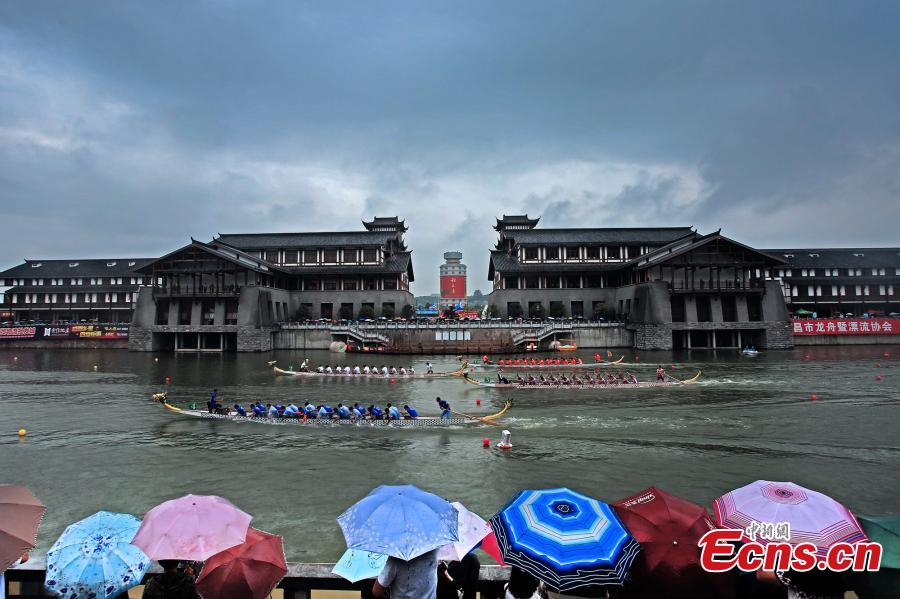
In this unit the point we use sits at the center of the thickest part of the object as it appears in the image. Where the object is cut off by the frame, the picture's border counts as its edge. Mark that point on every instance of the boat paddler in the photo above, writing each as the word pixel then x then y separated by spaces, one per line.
pixel 660 373
pixel 213 403
pixel 392 412
pixel 410 412
pixel 445 408
pixel 429 369
pixel 240 409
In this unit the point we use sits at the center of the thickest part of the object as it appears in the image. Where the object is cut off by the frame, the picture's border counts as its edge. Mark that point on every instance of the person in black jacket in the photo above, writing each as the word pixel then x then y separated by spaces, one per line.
pixel 171 584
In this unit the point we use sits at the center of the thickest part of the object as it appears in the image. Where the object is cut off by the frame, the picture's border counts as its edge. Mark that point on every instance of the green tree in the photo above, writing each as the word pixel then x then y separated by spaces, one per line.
pixel 514 310
pixel 600 311
pixel 493 311
pixel 303 313
pixel 408 311
pixel 387 310
pixel 346 311
pixel 557 310
pixel 536 311
pixel 367 312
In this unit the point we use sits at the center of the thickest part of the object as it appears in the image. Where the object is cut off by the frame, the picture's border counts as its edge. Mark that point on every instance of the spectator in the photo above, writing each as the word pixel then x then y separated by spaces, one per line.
pixel 415 579
pixel 171 584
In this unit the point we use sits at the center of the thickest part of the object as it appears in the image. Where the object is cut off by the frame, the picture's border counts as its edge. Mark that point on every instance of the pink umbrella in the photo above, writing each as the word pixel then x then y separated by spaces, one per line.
pixel 813 517
pixel 192 528
pixel 471 530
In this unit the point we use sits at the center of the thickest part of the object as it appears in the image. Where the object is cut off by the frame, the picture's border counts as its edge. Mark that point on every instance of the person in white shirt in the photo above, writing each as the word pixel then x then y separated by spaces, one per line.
pixel 320 370
pixel 393 370
pixel 356 369
pixel 429 369
pixel 346 370
pixel 329 370
pixel 367 370
pixel 384 370
pixel 412 370
pixel 403 371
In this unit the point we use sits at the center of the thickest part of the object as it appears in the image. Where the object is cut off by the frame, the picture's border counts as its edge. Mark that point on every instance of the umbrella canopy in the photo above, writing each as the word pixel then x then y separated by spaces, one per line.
pixel 358 564
pixel 94 557
pixel 471 529
pixel 401 521
pixel 884 530
pixel 813 517
pixel 192 528
pixel 246 571
pixel 564 538
pixel 668 529
pixel 20 515
pixel 490 546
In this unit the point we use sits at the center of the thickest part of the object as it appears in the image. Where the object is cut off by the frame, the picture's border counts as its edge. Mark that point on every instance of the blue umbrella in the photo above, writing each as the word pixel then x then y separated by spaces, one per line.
pixel 94 558
pixel 564 538
pixel 402 521
pixel 356 565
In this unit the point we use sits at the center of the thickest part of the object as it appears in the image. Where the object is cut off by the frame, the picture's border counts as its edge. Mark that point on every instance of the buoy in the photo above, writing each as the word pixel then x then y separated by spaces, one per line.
pixel 168 380
pixel 477 402
pixel 393 381
pixel 22 432
pixel 878 365
pixel 673 367
pixel 156 359
pixel 886 354
pixel 813 397
pixel 15 358
pixel 877 377
pixel 486 443
pixel 95 367
pixel 505 441
pixel 637 358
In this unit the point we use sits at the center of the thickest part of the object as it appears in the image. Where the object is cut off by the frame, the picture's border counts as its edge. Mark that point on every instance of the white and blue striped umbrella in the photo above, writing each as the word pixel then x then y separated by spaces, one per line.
pixel 94 558
pixel 564 538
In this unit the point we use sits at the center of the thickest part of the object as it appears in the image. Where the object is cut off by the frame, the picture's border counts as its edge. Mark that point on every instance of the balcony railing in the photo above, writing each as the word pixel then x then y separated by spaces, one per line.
pixel 681 286
pixel 195 292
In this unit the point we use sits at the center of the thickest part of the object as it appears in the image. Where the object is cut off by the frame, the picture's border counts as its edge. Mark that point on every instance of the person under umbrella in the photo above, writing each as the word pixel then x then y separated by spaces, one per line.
pixel 20 515
pixel 407 524
pixel 567 540
pixel 94 557
pixel 173 583
pixel 884 530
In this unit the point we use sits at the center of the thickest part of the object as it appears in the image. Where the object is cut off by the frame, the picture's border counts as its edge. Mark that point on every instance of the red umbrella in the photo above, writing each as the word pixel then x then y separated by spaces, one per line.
pixel 20 515
pixel 668 529
pixel 247 571
pixel 489 545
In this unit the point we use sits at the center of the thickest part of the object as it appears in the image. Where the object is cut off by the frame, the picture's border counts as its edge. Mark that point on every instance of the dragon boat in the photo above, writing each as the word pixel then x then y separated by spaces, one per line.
pixel 670 381
pixel 372 375
pixel 550 364
pixel 458 419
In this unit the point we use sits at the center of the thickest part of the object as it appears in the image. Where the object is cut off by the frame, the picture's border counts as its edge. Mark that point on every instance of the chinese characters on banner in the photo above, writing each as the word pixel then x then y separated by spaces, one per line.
pixel 846 326
pixel 66 331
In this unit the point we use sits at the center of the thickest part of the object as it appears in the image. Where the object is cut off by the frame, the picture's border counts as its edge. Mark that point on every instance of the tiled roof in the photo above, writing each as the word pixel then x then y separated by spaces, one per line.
pixel 258 241
pixel 93 267
pixel 887 257
pixel 619 235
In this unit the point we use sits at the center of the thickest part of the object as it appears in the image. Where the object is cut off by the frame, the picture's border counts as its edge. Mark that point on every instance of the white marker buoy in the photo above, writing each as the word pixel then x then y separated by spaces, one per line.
pixel 505 442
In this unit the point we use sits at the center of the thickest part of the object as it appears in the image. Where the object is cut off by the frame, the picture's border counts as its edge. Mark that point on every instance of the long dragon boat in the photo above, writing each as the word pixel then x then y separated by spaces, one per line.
pixel 418 422
pixel 372 375
pixel 528 365
pixel 669 382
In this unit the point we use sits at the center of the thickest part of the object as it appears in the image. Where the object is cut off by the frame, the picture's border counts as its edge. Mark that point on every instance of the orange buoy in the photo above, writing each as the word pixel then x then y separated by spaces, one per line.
pixel 877 377
pixel 486 443
pixel 393 381
pixel 813 397
pixel 477 402
pixel 168 380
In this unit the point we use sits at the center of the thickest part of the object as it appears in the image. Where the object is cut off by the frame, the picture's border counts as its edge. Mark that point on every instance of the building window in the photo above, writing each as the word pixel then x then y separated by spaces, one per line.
pixel 859 290
pixel 291 256
pixel 881 271
pixel 349 284
pixel 531 282
pixel 882 290
pixel 789 273
pixel 531 253
pixel 15 298
pixel 812 272
pixel 818 291
pixel 843 291
pixel 330 285
pixel 594 281
pixel 834 290
pixel 866 290
pixel 890 290
pixel 795 291
pixel 858 272
pixel 874 272
pixel 592 252
pixel 390 284
pixel 552 253
pixel 115 298
pixel 572 253
pixel 312 285
pixel 370 284
pixel 53 298
pixel 810 291
pixel 271 256
pixel 803 272
pixel 370 255
pixel 552 282
pixel 46 298
pixel 330 256
pixel 573 282
pixel 781 273
pixel 309 257
pixel 510 282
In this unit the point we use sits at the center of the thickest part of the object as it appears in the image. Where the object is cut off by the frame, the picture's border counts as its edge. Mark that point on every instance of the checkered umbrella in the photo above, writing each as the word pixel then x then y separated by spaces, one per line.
pixel 812 516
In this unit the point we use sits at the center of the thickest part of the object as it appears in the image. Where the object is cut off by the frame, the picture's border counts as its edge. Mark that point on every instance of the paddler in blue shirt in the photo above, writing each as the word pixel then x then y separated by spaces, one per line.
pixel 326 411
pixel 342 411
pixel 410 412
pixel 375 412
pixel 213 403
pixel 393 413
pixel 445 408
pixel 271 411
pixel 240 409
pixel 309 410
pixel 359 412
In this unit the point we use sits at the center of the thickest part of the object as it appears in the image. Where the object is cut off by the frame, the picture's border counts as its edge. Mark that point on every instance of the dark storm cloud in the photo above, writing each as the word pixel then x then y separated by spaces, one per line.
pixel 127 127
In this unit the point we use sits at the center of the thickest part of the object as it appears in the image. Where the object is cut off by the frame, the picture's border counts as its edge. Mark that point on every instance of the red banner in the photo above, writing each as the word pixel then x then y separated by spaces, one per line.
pixel 453 287
pixel 66 331
pixel 846 326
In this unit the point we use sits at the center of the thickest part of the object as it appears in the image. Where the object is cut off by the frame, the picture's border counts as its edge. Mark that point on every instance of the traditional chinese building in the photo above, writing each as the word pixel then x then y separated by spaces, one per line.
pixel 453 281
pixel 54 291
pixel 231 292
pixel 673 286
pixel 839 281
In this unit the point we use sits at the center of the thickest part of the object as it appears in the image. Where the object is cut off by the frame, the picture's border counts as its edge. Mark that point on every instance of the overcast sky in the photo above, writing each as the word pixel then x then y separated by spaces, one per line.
pixel 128 127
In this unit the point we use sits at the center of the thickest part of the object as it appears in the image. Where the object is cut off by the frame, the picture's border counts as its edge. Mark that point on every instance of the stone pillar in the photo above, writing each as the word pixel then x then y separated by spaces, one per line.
pixel 219 314
pixel 196 314
pixel 173 312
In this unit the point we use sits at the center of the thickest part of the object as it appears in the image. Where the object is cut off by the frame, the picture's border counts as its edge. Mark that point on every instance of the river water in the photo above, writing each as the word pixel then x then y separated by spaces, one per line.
pixel 95 440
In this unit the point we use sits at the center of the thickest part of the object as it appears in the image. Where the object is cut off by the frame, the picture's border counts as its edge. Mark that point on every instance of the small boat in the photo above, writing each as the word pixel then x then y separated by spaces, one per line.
pixel 669 382
pixel 372 375
pixel 419 422
pixel 564 345
pixel 750 352
pixel 527 365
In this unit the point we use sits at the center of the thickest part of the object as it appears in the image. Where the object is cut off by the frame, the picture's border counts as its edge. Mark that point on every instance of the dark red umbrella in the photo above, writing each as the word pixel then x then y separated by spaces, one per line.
pixel 668 529
pixel 247 571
